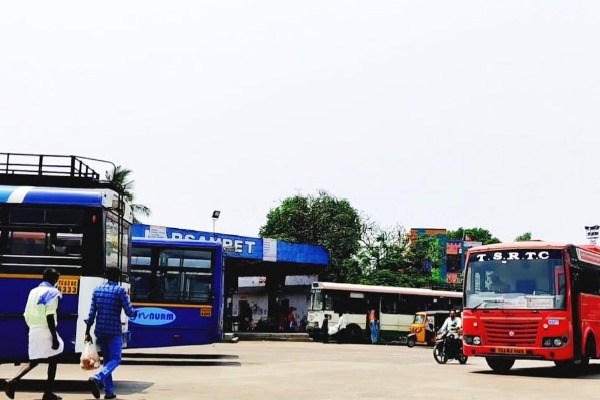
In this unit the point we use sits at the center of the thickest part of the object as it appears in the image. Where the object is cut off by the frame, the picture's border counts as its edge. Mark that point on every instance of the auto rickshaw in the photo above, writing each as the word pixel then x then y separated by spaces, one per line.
pixel 424 326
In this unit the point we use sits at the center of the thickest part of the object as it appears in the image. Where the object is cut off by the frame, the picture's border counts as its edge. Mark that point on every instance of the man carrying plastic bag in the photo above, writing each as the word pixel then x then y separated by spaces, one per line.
pixel 108 300
pixel 89 357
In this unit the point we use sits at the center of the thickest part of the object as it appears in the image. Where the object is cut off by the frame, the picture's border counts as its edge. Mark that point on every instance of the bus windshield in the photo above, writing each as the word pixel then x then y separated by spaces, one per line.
pixel 316 300
pixel 516 279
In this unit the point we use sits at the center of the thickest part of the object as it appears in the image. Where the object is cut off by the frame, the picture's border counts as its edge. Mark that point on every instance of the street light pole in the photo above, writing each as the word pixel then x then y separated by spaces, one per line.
pixel 215 217
pixel 593 232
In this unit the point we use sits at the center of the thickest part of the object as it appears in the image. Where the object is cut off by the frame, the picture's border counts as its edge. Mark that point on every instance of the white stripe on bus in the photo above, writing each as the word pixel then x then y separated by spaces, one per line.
pixel 18 195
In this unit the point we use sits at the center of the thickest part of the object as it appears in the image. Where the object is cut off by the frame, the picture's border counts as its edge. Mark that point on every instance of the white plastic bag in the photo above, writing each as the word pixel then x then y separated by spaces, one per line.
pixel 89 357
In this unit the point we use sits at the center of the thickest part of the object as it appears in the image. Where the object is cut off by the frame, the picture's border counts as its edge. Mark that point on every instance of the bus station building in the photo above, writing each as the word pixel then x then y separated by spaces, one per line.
pixel 264 278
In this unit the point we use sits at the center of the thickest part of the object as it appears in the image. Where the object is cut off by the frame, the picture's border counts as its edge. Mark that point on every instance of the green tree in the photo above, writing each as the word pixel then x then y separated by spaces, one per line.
pixel 122 176
pixel 523 237
pixel 474 234
pixel 388 258
pixel 321 220
pixel 383 248
pixel 426 253
pixel 381 257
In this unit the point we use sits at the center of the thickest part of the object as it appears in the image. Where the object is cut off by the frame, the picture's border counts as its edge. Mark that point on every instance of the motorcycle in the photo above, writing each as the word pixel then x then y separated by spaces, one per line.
pixel 448 348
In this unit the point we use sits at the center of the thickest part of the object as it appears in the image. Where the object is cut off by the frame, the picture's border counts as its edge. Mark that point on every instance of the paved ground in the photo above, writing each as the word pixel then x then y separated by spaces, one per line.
pixel 297 370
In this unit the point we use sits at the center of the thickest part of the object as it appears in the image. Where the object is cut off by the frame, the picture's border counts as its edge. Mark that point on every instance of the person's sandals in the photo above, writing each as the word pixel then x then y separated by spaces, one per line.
pixel 94 387
pixel 9 389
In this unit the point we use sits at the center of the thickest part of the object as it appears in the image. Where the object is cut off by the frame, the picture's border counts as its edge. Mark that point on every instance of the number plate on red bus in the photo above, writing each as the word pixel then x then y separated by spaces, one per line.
pixel 509 350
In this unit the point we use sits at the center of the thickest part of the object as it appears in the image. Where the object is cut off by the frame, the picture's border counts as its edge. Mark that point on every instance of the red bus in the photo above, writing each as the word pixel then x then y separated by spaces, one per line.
pixel 532 301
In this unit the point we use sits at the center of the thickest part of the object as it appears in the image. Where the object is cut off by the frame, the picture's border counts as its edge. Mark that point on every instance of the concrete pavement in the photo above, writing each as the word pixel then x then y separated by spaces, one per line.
pixel 283 370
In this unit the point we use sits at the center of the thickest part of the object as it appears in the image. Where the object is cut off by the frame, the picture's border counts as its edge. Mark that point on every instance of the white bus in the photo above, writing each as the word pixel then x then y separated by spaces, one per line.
pixel 395 308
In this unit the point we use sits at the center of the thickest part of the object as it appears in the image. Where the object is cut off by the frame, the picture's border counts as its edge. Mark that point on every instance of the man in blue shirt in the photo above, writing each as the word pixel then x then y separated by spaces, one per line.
pixel 108 300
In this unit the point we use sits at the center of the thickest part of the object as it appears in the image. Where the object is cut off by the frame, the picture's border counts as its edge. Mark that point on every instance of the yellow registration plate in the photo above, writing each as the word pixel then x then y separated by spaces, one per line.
pixel 509 350
pixel 68 285
pixel 205 312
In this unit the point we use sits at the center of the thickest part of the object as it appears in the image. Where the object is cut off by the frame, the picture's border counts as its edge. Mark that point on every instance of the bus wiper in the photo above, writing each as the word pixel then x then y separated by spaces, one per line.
pixel 497 301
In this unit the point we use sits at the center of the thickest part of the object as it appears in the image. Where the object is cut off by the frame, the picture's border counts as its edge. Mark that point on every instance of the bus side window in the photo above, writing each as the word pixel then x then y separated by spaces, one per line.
pixel 590 280
pixel 328 302
pixel 390 304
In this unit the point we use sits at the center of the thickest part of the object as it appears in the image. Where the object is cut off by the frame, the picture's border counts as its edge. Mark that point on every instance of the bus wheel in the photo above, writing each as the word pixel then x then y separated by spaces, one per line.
pixel 584 362
pixel 571 368
pixel 354 334
pixel 566 368
pixel 500 365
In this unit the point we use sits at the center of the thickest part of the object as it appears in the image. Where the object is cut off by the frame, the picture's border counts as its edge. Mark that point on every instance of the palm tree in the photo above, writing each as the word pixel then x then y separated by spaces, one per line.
pixel 121 176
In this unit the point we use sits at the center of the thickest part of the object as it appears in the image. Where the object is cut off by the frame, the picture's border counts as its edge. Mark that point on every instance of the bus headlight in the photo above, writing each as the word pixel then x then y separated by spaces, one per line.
pixel 474 340
pixel 555 341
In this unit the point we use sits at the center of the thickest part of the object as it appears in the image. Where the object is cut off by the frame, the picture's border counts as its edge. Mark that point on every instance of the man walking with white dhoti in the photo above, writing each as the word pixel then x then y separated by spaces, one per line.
pixel 44 342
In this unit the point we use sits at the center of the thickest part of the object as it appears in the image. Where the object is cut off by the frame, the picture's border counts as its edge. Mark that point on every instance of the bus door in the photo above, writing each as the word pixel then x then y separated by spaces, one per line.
pixel 389 318
pixel 373 303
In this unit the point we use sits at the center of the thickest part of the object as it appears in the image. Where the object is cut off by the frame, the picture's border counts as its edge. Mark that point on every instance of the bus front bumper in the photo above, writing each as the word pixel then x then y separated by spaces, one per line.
pixel 520 353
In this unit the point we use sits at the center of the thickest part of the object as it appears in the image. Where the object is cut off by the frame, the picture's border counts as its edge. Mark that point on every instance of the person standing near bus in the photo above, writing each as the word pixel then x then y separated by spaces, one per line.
pixel 373 326
pixel 292 322
pixel 108 300
pixel 44 343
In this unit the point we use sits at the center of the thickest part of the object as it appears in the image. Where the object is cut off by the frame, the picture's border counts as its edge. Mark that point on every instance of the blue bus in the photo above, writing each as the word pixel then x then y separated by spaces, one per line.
pixel 177 288
pixel 55 211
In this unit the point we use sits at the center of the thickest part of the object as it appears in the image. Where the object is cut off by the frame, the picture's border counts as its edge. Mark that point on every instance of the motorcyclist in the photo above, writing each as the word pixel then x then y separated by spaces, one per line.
pixel 335 330
pixel 453 325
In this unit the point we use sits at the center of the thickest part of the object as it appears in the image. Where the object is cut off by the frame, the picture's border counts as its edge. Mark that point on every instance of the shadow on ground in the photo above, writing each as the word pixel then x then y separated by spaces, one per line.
pixel 212 360
pixel 79 386
pixel 591 372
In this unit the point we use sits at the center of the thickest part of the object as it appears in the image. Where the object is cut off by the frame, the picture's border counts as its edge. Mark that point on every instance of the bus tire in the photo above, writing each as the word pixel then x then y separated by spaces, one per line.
pixel 572 367
pixel 353 334
pixel 500 365
pixel 567 368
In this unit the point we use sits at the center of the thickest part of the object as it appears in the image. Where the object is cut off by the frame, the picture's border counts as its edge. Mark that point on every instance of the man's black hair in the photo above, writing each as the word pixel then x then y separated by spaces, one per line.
pixel 51 275
pixel 113 274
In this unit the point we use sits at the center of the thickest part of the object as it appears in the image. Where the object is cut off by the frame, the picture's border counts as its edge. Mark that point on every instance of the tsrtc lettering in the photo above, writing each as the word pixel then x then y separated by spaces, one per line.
pixel 513 255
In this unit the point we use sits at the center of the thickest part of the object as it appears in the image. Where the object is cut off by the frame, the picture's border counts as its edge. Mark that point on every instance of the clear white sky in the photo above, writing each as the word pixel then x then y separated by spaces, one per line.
pixel 423 113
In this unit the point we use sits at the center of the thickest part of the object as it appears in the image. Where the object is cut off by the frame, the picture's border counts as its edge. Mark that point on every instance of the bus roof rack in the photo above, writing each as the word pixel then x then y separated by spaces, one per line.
pixel 22 169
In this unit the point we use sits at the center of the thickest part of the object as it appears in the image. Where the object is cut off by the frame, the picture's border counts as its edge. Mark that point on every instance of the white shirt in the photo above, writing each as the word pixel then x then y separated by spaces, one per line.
pixel 35 314
pixel 452 325
pixel 338 327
